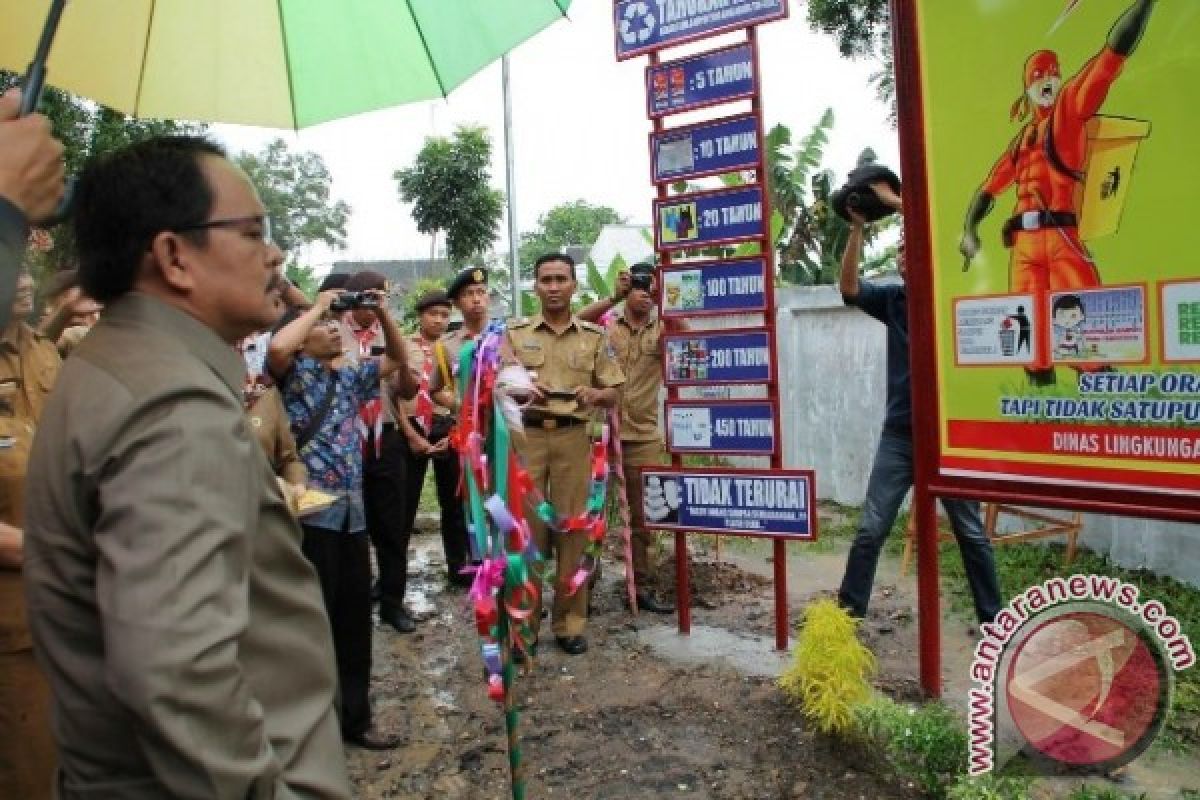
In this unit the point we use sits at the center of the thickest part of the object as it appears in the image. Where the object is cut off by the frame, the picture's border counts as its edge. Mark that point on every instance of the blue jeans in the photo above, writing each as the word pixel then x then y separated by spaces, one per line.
pixel 891 478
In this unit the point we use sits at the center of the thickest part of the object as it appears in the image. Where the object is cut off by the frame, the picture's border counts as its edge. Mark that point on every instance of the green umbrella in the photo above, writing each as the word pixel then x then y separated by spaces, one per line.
pixel 274 63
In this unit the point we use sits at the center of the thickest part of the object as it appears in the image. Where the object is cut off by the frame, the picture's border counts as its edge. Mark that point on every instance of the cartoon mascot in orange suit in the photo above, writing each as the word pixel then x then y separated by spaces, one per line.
pixel 1045 162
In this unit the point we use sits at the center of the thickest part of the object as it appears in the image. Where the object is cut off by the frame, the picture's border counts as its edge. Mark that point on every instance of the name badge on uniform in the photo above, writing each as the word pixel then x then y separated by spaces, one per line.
pixel 530 346
pixel 7 442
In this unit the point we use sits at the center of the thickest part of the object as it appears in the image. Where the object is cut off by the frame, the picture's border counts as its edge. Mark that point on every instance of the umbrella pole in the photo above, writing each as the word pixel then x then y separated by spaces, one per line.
pixel 32 85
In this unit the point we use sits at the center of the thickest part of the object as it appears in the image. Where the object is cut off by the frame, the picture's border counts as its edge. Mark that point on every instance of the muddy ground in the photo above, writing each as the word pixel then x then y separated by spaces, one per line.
pixel 645 713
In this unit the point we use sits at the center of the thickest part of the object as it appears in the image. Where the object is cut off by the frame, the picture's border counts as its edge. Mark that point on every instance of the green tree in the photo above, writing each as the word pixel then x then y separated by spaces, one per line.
pixel 302 277
pixel 577 223
pixel 862 29
pixel 808 236
pixel 295 189
pixel 448 188
pixel 87 130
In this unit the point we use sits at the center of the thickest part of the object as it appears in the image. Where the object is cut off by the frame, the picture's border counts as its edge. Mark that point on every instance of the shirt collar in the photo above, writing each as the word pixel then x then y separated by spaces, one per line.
pixel 193 335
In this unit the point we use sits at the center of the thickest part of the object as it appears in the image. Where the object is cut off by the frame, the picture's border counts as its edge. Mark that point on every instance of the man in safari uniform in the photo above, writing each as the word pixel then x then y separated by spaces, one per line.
pixel 635 334
pixel 573 373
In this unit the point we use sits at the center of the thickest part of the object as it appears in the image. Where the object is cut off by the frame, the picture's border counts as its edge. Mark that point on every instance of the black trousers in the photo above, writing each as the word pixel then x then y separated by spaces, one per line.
pixel 343 564
pixel 384 499
pixel 446 474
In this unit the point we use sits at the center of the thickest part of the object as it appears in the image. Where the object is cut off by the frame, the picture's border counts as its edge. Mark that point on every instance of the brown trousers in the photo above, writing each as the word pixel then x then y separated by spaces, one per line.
pixel 634 456
pixel 559 462
pixel 27 759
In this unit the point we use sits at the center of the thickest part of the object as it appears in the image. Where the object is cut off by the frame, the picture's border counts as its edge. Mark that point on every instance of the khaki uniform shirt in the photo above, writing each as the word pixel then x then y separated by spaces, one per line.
pixel 578 356
pixel 29 365
pixel 181 627
pixel 639 352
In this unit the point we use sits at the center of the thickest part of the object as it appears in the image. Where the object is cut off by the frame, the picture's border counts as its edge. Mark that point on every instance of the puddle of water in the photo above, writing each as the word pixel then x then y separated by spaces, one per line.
pixel 750 655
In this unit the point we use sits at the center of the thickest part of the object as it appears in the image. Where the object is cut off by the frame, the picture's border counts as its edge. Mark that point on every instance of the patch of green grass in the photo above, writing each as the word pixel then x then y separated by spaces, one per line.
pixel 1021 566
pixel 1088 791
pixel 429 500
pixel 991 787
pixel 924 744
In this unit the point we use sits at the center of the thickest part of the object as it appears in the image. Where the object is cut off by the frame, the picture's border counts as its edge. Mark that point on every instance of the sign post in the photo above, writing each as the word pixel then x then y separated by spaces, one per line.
pixel 1069 380
pixel 690 227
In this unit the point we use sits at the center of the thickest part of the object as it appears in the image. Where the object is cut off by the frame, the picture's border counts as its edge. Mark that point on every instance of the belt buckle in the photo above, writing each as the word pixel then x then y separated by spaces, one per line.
pixel 550 424
pixel 1031 220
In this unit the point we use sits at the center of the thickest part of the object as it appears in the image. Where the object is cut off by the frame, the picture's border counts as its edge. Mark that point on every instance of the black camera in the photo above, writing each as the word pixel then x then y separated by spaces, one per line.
pixel 352 301
pixel 857 194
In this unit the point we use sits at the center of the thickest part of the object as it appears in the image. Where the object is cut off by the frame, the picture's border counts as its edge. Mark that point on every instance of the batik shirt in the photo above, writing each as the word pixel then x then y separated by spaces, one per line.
pixel 334 454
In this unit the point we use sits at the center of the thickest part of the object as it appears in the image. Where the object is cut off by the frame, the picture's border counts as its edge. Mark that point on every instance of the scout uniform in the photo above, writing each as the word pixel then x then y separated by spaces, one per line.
pixel 556 446
pixel 434 422
pixel 639 354
pixel 29 365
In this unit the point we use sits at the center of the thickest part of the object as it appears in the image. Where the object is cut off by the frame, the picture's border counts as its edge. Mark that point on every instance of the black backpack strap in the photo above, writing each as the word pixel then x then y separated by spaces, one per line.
pixel 318 417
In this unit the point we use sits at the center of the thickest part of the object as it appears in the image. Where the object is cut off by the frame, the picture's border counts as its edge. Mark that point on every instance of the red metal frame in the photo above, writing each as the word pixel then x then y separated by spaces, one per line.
pixel 654 49
pixel 693 265
pixel 769 403
pixel 692 196
pixel 654 136
pixel 682 589
pixel 930 480
pixel 667 65
pixel 811 483
pixel 714 333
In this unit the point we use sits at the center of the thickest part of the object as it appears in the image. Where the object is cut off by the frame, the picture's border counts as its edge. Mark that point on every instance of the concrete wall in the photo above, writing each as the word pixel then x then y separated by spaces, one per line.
pixel 832 386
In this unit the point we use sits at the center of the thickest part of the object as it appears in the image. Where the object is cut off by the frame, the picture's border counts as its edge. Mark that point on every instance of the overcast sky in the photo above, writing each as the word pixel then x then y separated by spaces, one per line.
pixel 579 127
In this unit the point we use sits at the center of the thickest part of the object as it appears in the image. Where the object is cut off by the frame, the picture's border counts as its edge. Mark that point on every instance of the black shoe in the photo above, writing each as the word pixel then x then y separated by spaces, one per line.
pixel 374 739
pixel 572 645
pixel 399 619
pixel 648 602
pixel 462 580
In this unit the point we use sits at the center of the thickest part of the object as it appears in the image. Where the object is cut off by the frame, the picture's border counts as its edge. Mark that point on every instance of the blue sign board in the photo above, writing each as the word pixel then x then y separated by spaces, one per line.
pixel 719 76
pixel 779 503
pixel 695 220
pixel 727 145
pixel 714 287
pixel 643 26
pixel 740 356
pixel 745 427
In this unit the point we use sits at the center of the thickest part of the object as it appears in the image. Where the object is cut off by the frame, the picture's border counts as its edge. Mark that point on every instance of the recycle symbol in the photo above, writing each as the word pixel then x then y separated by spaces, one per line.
pixel 635 12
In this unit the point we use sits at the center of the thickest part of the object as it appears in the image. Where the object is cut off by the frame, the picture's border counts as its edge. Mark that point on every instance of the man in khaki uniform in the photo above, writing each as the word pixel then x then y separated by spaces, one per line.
pixel 573 374
pixel 180 627
pixel 29 365
pixel 635 335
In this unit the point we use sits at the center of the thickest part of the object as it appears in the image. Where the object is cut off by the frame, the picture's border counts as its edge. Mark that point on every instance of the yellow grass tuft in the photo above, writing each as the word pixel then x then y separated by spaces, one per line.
pixel 831 670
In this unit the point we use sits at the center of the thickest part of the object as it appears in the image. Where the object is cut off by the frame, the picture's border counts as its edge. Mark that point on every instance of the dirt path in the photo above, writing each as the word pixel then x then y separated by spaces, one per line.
pixel 629 719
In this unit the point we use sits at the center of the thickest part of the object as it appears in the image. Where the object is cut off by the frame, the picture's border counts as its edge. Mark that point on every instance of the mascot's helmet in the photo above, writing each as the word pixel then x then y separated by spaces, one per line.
pixel 1040 65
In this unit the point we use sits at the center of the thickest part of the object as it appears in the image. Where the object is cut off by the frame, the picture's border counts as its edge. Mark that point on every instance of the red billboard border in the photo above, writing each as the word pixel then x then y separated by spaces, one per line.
pixel 684 266
pixel 650 113
pixel 708 123
pixel 689 196
pixel 929 481
pixel 811 483
pixel 731 401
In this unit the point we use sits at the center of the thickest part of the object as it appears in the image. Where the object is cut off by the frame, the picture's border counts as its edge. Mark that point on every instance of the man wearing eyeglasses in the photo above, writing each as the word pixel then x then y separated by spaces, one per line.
pixel 180 626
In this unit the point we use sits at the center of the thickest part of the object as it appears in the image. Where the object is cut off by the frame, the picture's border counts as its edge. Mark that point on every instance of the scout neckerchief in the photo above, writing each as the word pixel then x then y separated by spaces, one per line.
pixel 370 413
pixel 423 403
